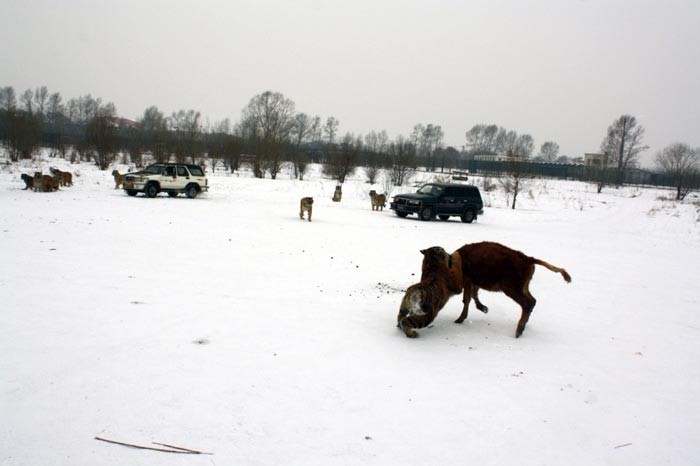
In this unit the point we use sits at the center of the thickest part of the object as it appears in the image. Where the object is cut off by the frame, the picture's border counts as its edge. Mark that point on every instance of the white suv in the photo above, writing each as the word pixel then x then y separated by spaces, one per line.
pixel 172 178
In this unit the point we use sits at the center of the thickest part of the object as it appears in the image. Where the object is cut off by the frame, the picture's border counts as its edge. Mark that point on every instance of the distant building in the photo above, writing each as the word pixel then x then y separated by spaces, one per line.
pixel 123 122
pixel 595 160
pixel 496 158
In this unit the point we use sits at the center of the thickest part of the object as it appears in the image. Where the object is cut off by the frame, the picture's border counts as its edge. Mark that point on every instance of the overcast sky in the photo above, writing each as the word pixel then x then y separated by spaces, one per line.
pixel 560 70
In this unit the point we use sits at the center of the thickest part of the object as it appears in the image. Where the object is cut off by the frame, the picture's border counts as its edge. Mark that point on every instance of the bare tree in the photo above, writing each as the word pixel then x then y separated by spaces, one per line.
pixel 8 98
pixel 83 109
pixel 481 139
pixel 20 128
pixel 402 154
pixel 549 151
pixel 510 143
pixel 416 135
pixel 377 142
pixel 186 127
pixel 55 109
pixel 249 132
pixel 382 142
pixel 267 123
pixel 680 162
pixel 27 99
pixel 342 162
pixel 515 181
pixel 372 169
pixel 102 140
pixel 387 183
pixel 623 144
pixel 375 146
pixel 303 129
pixel 233 147
pixel 524 145
pixel 447 157
pixel 302 162
pixel 330 129
pixel 20 133
pixel 427 139
pixel 41 98
pixel 57 121
pixel 505 141
pixel 154 133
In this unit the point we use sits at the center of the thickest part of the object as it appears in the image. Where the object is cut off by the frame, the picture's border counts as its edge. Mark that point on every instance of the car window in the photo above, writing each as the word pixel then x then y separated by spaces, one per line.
pixel 170 171
pixel 181 171
pixel 431 189
pixel 196 171
pixel 154 169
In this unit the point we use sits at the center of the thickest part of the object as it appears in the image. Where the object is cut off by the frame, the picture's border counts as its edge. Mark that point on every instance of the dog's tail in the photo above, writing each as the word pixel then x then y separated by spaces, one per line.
pixel 553 268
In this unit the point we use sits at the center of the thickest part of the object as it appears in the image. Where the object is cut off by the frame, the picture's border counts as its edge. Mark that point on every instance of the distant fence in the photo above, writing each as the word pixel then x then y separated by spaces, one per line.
pixel 566 171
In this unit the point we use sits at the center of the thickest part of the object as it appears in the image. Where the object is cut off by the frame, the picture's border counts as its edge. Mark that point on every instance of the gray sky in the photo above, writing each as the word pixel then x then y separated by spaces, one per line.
pixel 560 70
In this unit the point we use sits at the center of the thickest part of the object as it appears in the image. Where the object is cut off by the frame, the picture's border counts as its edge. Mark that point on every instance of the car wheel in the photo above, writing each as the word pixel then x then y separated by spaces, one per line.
pixel 192 191
pixel 402 214
pixel 131 192
pixel 426 214
pixel 151 190
pixel 468 216
pixel 172 193
pixel 444 217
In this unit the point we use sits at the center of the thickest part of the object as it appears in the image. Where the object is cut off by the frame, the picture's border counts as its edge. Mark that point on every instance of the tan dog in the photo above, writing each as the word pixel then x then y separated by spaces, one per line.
pixel 306 205
pixel 65 178
pixel 378 200
pixel 45 183
pixel 441 278
pixel 118 179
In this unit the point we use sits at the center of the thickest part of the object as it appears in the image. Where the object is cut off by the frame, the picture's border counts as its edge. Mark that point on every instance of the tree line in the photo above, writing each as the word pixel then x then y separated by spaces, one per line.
pixel 272 133
pixel 269 134
pixel 622 144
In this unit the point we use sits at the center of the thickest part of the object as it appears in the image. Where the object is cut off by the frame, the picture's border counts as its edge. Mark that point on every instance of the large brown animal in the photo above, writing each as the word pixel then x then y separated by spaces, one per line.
pixel 306 205
pixel 65 178
pixel 441 278
pixel 28 181
pixel 118 179
pixel 495 267
pixel 378 200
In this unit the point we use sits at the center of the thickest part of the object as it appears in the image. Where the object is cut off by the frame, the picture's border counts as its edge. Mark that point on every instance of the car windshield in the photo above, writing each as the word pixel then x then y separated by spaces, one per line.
pixel 430 189
pixel 154 169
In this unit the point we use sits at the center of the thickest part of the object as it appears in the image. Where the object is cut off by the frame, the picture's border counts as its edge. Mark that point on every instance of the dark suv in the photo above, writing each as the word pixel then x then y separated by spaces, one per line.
pixel 442 200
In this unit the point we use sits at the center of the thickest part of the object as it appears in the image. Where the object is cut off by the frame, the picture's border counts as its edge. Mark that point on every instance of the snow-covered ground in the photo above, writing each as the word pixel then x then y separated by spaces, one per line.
pixel 227 324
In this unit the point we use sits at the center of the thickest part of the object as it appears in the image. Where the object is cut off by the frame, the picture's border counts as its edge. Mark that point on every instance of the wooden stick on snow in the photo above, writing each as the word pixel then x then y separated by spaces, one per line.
pixel 184 451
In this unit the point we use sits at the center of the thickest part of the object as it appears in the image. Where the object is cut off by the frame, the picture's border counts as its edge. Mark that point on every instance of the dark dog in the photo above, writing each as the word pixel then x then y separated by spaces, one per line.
pixel 28 181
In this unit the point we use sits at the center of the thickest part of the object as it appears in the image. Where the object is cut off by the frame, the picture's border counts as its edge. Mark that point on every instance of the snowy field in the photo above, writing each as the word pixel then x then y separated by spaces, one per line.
pixel 228 325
